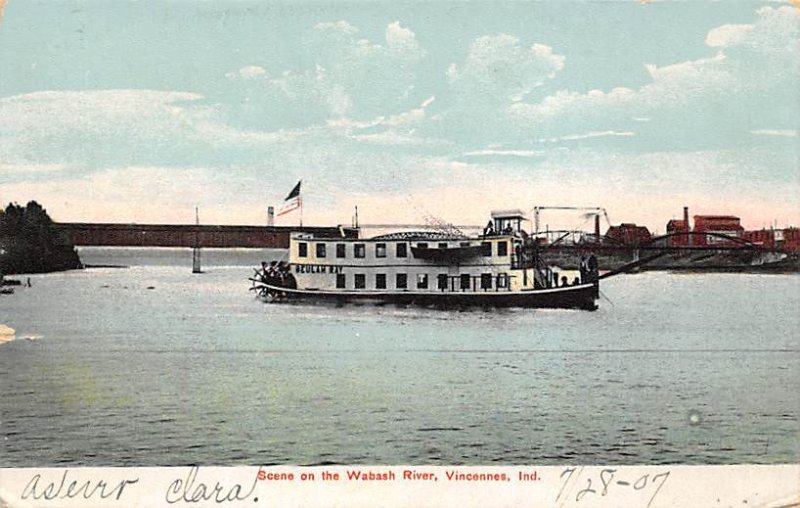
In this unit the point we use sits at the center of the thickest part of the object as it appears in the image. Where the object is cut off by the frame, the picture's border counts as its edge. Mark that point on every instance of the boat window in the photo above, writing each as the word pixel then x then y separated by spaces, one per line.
pixel 321 250
pixel 443 245
pixel 422 281
pixel 380 250
pixel 401 281
pixel 464 244
pixel 486 249
pixel 502 248
pixel 486 281
pixel 360 281
pixel 466 281
pixel 302 249
pixel 341 280
pixel 341 250
pixel 422 245
pixel 380 281
pixel 402 250
pixel 502 281
pixel 441 281
pixel 359 250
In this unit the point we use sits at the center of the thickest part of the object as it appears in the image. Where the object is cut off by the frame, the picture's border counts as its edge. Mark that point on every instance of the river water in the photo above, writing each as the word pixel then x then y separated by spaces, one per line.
pixel 152 365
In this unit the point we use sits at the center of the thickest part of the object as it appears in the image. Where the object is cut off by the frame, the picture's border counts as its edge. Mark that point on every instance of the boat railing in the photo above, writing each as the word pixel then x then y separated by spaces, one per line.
pixel 543 276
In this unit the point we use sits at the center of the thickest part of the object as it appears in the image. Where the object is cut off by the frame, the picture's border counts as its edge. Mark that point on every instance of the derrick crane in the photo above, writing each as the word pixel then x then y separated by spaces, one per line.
pixel 591 211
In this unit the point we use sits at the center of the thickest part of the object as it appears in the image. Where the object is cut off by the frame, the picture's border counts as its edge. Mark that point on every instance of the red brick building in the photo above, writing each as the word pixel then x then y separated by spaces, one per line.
pixel 786 240
pixel 720 225
pixel 763 238
pixel 791 240
pixel 678 228
pixel 628 234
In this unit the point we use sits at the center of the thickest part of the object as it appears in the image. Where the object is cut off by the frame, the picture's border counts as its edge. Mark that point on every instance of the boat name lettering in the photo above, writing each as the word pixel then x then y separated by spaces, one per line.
pixel 317 269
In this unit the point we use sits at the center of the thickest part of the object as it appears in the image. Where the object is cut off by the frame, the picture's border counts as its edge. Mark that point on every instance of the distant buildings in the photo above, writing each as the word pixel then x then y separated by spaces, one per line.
pixel 677 230
pixel 786 240
pixel 706 231
pixel 628 234
pixel 727 230
pixel 718 229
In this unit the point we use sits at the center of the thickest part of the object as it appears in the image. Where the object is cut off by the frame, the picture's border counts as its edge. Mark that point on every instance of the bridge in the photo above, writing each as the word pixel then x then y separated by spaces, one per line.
pixel 190 235
pixel 689 250
pixel 674 242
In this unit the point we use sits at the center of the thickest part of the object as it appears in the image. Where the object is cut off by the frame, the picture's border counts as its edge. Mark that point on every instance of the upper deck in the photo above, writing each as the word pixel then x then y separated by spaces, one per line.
pixel 404 249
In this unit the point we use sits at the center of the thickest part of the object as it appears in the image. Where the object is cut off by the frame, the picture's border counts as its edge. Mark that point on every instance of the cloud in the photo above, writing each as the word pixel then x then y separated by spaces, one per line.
pixel 101 127
pixel 88 130
pixel 590 135
pixel 352 78
pixel 728 35
pixel 54 137
pixel 513 153
pixel 411 117
pixel 402 39
pixel 356 118
pixel 24 169
pixel 248 72
pixel 714 100
pixel 405 119
pixel 387 138
pixel 261 101
pixel 140 194
pixel 499 69
pixel 371 78
pixel 707 182
pixel 349 78
pixel 787 133
pixel 393 130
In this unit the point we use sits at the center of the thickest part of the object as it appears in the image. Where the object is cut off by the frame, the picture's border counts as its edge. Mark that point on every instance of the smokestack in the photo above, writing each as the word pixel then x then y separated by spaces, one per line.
pixel 686 221
pixel 270 216
pixel 597 227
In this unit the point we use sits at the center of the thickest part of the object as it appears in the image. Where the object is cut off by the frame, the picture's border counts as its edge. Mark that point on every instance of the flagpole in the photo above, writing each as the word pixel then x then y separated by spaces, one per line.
pixel 301 211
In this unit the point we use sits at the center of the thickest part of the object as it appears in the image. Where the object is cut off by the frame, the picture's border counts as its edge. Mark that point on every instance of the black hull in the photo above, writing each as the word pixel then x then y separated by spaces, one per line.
pixel 582 297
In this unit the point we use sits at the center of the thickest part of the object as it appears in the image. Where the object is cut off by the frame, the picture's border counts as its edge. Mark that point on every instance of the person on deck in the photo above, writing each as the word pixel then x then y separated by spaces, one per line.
pixel 584 268
pixel 591 265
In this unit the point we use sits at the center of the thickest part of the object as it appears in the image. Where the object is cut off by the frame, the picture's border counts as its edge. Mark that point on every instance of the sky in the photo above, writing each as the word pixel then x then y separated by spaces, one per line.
pixel 416 112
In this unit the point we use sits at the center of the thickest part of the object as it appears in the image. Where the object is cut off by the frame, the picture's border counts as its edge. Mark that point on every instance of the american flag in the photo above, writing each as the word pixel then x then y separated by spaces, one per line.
pixel 292 201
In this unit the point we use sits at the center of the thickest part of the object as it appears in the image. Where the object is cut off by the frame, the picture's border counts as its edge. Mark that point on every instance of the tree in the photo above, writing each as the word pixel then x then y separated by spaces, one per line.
pixel 31 243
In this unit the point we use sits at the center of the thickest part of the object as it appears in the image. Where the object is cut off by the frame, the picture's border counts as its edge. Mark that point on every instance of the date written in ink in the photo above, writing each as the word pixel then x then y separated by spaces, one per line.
pixel 609 482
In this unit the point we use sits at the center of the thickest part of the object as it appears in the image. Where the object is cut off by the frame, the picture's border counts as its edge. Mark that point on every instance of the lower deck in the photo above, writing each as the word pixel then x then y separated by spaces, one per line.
pixel 582 296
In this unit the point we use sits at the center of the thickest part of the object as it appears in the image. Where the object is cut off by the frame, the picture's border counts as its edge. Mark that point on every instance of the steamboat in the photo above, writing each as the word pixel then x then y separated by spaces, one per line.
pixel 499 268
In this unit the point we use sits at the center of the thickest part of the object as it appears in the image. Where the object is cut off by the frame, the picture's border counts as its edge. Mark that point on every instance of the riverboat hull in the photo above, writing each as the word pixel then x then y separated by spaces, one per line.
pixel 583 296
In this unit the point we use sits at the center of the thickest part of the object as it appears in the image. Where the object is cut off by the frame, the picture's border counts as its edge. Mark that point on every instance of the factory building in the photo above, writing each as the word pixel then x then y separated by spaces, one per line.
pixel 627 234
pixel 786 240
pixel 727 225
pixel 714 225
pixel 679 228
